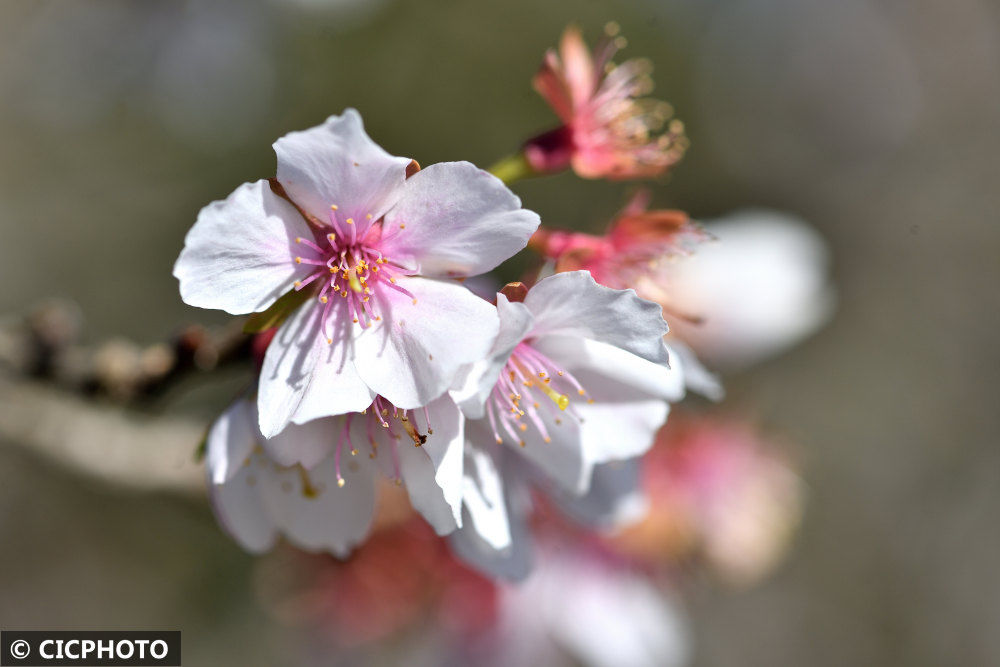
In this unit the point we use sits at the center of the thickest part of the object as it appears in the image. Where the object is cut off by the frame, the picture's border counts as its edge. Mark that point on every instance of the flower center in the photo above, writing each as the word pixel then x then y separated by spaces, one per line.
pixel 350 267
pixel 394 422
pixel 529 381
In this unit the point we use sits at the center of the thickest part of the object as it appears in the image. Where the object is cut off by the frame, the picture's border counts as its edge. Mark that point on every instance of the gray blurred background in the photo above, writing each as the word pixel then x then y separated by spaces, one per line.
pixel 876 120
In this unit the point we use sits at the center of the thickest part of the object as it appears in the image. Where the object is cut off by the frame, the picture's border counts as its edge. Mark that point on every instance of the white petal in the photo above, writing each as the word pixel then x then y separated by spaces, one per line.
pixel 414 354
pixel 459 221
pixel 230 441
pixel 575 354
pixel 615 497
pixel 563 459
pixel 336 386
pixel 240 255
pixel 515 322
pixel 697 378
pixel 288 368
pixel 610 618
pixel 336 164
pixel 621 423
pixel 573 304
pixel 235 502
pixel 239 510
pixel 762 286
pixel 321 515
pixel 305 444
pixel 627 405
pixel 433 472
pixel 494 537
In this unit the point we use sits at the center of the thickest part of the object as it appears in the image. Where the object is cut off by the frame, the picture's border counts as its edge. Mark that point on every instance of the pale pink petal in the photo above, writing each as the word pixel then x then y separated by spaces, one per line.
pixel 336 387
pixel 494 537
pixel 305 444
pixel 230 441
pixel 233 497
pixel 456 220
pixel 238 509
pixel 476 385
pixel 315 513
pixel 573 304
pixel 415 352
pixel 337 164
pixel 608 362
pixel 240 255
pixel 615 497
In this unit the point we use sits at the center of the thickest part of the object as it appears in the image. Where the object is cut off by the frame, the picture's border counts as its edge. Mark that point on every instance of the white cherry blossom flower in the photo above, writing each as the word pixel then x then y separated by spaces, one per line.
pixel 578 380
pixel 371 253
pixel 316 483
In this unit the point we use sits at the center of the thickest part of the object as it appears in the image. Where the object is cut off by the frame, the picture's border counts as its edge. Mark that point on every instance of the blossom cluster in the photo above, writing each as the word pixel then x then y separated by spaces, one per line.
pixel 381 366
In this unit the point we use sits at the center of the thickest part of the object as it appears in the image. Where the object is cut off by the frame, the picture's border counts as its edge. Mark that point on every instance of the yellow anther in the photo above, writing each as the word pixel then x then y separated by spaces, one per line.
pixel 298 260
pixel 298 283
pixel 402 226
pixel 333 270
pixel 392 280
pixel 581 392
pixel 350 221
pixel 341 482
pixel 369 216
pixel 521 443
pixel 547 439
pixel 333 207
pixel 355 320
pixel 414 302
pixel 298 239
pixel 499 441
pixel 562 400
pixel 354 451
pixel 323 299
pixel 523 426
pixel 329 341
pixel 331 236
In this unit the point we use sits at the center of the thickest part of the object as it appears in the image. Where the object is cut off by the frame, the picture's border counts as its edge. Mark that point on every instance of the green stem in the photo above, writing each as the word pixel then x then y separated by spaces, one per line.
pixel 512 168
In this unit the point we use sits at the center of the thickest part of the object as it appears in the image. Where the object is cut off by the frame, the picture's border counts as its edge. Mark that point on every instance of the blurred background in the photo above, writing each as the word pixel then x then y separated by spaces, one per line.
pixel 876 121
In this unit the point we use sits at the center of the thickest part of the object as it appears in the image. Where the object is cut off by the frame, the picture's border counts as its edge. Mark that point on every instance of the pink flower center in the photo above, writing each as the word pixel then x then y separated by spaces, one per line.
pixel 529 381
pixel 394 422
pixel 351 269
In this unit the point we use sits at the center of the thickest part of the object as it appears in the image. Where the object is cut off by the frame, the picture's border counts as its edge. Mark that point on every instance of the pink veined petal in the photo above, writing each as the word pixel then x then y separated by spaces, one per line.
pixel 456 220
pixel 240 255
pixel 336 387
pixel 515 322
pixel 313 511
pixel 573 304
pixel 415 352
pixel 337 164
